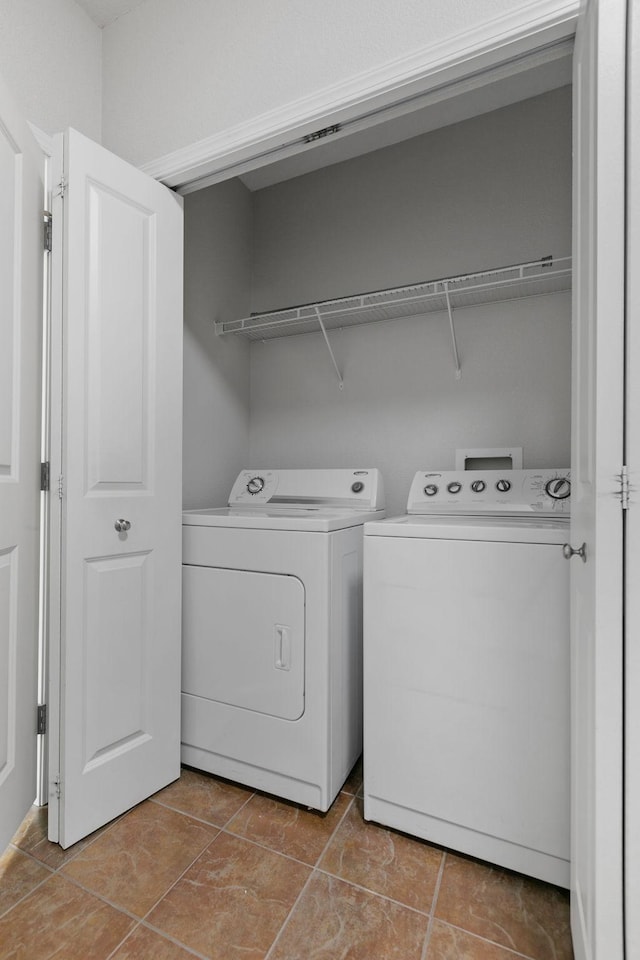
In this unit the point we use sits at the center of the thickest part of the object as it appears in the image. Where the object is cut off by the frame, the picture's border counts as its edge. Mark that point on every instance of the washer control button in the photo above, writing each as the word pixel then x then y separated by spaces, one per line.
pixel 255 485
pixel 503 486
pixel 478 486
pixel 454 487
pixel 357 487
pixel 558 489
pixel 430 490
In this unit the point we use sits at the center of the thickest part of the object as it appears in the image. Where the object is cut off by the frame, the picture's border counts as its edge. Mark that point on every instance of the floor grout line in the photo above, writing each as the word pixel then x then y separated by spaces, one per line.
pixel 124 940
pixel 178 943
pixel 186 813
pixel 372 893
pixel 493 943
pixel 289 915
pixel 314 869
pixel 26 895
pixel 432 911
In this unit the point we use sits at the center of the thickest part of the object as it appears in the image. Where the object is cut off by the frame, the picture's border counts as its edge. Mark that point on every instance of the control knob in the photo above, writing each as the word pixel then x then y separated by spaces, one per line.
pixel 503 486
pixel 255 485
pixel 357 487
pixel 454 487
pixel 478 486
pixel 430 490
pixel 558 489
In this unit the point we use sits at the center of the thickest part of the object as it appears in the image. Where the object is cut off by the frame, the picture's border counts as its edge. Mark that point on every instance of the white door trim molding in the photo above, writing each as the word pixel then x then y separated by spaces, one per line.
pixel 43 139
pixel 277 133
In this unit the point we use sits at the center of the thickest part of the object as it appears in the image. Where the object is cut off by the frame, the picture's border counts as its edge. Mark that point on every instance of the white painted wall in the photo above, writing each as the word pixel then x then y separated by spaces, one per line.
pixel 485 193
pixel 488 192
pixel 175 72
pixel 217 285
pixel 401 408
pixel 51 60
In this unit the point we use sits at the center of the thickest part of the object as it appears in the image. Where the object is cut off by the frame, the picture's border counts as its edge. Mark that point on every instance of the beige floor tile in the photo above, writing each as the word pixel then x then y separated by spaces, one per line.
pixel 287 827
pixel 232 902
pixel 144 943
pixel 135 862
pixel 19 874
pixel 449 943
pixel 204 796
pixel 32 838
pixel 507 908
pixel 334 919
pixel 60 920
pixel 381 860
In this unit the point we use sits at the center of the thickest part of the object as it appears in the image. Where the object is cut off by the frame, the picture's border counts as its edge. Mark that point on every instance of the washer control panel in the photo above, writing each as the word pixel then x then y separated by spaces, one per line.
pixel 544 492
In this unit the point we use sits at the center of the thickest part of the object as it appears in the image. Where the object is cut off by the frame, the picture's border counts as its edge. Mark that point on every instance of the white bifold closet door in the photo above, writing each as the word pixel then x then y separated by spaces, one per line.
pixel 21 269
pixel 116 467
pixel 597 516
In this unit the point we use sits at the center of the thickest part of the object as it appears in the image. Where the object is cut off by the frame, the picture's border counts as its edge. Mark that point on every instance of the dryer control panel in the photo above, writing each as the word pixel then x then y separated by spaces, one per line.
pixel 543 492
pixel 358 489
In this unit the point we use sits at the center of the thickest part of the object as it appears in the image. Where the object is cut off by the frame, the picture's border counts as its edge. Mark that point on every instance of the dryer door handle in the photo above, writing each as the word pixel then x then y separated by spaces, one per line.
pixel 282 637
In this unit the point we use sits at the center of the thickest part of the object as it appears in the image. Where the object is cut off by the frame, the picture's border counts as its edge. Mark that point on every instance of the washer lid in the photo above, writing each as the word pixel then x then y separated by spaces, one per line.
pixel 313 519
pixel 507 529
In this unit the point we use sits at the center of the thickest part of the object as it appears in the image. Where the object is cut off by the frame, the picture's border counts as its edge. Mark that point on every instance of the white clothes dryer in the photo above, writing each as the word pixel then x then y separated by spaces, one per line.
pixel 466 667
pixel 272 631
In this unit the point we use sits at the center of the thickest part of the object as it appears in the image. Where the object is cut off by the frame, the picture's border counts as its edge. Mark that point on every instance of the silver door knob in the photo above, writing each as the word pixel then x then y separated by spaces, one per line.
pixel 122 526
pixel 568 551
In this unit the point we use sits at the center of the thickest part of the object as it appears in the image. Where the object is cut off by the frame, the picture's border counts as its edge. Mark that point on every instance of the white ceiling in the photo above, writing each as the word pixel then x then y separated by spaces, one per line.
pixel 104 12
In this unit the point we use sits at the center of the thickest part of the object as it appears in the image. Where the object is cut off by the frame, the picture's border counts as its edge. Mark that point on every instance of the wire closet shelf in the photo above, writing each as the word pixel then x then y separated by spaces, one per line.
pixel 490 286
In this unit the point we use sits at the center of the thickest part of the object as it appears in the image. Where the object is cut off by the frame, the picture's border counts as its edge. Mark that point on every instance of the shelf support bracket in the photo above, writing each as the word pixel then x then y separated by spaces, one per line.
pixel 456 358
pixel 326 340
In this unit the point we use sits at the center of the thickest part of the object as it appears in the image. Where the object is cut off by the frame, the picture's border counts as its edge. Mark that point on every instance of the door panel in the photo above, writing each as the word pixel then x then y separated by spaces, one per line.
pixel 119 657
pixel 121 332
pixel 597 457
pixel 118 315
pixel 21 259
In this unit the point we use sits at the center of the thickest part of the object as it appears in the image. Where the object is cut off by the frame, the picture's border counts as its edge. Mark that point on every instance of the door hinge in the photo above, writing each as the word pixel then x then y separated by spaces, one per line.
pixel 624 487
pixel 48 231
pixel 57 786
pixel 42 718
pixel 60 486
pixel 61 188
pixel 44 476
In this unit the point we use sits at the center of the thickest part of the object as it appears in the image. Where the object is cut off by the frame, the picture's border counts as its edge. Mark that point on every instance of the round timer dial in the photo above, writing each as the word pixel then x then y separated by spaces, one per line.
pixel 558 489
pixel 255 485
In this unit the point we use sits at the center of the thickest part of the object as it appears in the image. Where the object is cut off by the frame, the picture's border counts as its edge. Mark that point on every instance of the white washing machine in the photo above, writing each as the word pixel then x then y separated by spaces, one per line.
pixel 272 631
pixel 466 667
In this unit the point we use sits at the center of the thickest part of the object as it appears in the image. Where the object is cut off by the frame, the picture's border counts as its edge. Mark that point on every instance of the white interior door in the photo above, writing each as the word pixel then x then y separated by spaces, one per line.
pixel 597 458
pixel 21 263
pixel 117 379
pixel 632 573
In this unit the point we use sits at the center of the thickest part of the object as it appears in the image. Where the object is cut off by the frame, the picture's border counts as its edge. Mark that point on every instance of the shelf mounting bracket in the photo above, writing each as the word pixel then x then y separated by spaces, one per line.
pixel 456 358
pixel 326 340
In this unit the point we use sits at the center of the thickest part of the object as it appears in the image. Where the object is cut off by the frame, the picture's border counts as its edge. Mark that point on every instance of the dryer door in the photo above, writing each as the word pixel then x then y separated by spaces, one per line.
pixel 243 639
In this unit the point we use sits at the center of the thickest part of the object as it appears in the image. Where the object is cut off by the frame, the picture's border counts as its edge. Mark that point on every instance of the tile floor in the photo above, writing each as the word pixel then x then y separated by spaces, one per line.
pixel 210 869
